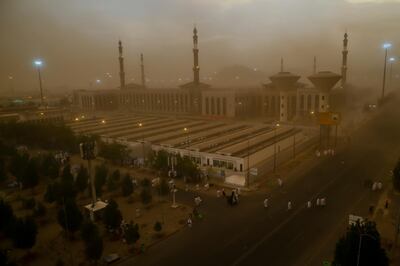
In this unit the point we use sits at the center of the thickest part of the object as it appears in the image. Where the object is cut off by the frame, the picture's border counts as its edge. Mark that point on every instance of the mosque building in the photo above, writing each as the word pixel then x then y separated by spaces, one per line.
pixel 283 99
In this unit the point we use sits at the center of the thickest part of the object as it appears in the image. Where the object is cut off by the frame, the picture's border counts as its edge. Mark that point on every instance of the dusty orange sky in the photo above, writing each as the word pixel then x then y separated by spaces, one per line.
pixel 78 39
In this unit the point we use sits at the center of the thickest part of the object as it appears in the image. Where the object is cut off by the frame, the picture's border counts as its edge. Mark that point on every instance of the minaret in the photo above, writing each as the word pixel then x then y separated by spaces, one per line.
pixel 344 61
pixel 281 64
pixel 196 68
pixel 315 65
pixel 142 71
pixel 121 66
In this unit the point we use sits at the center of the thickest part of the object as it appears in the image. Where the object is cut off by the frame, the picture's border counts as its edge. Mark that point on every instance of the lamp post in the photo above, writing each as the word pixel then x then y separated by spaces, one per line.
pixel 276 126
pixel 11 78
pixel 140 126
pixel 174 205
pixel 391 60
pixel 38 64
pixel 88 152
pixel 386 46
pixel 186 130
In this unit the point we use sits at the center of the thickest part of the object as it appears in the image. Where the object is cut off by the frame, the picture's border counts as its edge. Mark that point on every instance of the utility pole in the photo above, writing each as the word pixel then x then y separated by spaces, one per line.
pixel 88 152
pixel 386 46
pixel 276 126
pixel 38 64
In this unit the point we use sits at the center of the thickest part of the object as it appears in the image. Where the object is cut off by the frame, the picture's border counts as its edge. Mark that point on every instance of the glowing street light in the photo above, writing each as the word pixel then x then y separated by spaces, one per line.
pixel 186 130
pixel 38 63
pixel 386 46
pixel 143 153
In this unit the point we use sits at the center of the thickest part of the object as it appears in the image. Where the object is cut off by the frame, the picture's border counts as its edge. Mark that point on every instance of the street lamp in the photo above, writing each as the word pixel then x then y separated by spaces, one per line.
pixel 386 46
pixel 38 63
pixel 140 126
pixel 391 60
pixel 186 130
pixel 276 126
pixel 11 78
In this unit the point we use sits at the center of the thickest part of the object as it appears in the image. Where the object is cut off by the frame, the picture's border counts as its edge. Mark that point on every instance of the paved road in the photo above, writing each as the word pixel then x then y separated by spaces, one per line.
pixel 248 234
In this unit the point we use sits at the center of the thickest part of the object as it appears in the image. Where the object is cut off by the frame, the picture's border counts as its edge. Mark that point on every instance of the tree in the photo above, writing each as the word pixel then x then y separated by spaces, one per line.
pixel 49 166
pixel 50 194
pixel 127 186
pixel 30 177
pixel 187 168
pixel 66 175
pixel 4 260
pixel 18 164
pixel 6 214
pixel 88 230
pixel 69 216
pixel 371 252
pixel 131 233
pixel 3 173
pixel 146 196
pixel 157 227
pixel 160 161
pixel 82 179
pixel 116 175
pixel 24 233
pixel 28 203
pixel 396 176
pixel 94 248
pixel 112 216
pixel 93 242
pixel 60 191
pixel 111 184
pixel 100 178
pixel 164 187
pixel 114 152
pixel 40 210
pixel 146 183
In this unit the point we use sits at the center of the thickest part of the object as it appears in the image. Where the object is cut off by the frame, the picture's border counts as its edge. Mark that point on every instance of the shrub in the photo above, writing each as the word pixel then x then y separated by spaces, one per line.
pixel 146 196
pixel 157 227
pixel 29 204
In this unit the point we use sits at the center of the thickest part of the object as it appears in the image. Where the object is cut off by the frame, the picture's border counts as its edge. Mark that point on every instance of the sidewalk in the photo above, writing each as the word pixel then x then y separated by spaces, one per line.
pixel 386 221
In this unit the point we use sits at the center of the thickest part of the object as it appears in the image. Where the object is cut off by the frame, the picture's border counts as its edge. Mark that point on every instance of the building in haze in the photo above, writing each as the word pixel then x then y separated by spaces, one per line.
pixel 283 99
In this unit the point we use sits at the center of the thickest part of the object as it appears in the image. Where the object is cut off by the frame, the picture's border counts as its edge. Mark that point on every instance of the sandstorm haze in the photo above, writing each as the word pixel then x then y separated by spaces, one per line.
pixel 78 39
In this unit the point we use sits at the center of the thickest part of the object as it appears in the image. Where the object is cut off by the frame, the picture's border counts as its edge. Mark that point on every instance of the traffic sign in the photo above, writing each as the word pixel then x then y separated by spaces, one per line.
pixel 353 219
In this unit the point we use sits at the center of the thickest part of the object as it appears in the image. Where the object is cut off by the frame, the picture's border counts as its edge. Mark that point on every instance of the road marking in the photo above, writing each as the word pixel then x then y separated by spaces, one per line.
pixel 287 220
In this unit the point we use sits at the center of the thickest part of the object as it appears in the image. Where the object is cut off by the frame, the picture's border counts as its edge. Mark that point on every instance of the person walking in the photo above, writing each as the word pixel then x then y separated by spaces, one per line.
pixel 189 222
pixel 289 205
pixel 318 202
pixel 266 203
pixel 223 192
pixel 309 204
pixel 323 202
pixel 280 182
